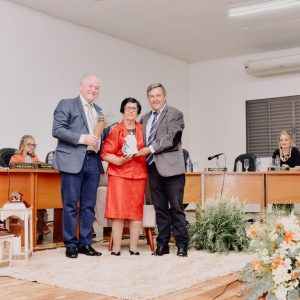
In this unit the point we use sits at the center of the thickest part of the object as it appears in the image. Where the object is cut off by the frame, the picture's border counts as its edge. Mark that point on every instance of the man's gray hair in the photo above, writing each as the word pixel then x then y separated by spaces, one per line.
pixel 156 85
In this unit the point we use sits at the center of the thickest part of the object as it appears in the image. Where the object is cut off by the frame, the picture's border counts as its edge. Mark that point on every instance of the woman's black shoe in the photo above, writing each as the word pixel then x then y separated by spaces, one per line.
pixel 134 253
pixel 115 253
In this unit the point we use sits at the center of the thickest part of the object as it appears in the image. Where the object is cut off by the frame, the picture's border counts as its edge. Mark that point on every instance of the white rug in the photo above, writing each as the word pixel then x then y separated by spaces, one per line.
pixel 126 277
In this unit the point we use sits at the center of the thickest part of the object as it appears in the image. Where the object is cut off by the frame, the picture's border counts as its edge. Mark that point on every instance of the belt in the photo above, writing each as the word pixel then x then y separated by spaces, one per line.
pixel 90 152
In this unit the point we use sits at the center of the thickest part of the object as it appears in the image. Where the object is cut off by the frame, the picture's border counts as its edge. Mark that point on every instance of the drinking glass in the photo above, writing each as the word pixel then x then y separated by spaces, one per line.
pixel 246 164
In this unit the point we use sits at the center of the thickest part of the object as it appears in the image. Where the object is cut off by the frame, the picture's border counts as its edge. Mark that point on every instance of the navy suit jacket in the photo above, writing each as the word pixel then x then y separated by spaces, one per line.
pixel 68 125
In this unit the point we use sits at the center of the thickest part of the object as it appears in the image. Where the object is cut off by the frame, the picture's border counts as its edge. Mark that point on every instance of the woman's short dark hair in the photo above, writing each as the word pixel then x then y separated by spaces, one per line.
pixel 130 100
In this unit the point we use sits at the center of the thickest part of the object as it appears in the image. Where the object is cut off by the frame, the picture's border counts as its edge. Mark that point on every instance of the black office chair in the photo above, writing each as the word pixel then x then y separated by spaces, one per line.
pixel 252 161
pixel 5 155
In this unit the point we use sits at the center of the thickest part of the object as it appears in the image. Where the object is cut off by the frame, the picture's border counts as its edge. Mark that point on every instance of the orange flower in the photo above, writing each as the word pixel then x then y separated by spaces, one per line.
pixel 289 237
pixel 294 275
pixel 257 265
pixel 277 261
pixel 252 231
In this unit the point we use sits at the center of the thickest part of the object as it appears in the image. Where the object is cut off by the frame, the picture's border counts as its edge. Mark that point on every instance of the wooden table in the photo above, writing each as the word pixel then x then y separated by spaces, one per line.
pixel 248 187
pixel 40 189
pixel 193 188
pixel 282 187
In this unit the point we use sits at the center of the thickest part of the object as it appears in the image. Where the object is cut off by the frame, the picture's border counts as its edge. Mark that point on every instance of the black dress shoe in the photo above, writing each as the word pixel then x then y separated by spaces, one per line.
pixel 161 250
pixel 89 250
pixel 182 252
pixel 71 252
pixel 115 253
pixel 134 253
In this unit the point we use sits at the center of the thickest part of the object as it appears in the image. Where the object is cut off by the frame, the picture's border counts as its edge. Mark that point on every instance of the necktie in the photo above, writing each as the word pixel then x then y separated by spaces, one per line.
pixel 92 123
pixel 151 136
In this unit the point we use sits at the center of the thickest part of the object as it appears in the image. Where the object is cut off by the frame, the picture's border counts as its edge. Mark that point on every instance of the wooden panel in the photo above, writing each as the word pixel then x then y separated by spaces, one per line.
pixel 247 187
pixel 48 191
pixel 192 189
pixel 282 187
pixel 21 181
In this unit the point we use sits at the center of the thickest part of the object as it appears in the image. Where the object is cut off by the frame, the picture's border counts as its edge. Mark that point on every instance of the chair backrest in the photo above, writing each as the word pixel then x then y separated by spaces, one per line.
pixel 186 155
pixel 252 161
pixel 49 157
pixel 5 155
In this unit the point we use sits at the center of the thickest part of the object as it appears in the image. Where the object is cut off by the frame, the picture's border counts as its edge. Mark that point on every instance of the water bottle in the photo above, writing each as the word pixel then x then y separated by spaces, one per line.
pixel 277 162
pixel 27 158
pixel 196 167
pixel 189 165
pixel 258 164
pixel 239 166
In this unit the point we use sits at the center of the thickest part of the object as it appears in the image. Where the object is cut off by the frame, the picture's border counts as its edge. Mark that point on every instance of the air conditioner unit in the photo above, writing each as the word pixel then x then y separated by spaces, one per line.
pixel 273 66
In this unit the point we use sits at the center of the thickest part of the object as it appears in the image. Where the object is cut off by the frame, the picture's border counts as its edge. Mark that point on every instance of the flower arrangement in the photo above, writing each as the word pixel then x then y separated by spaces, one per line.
pixel 220 226
pixel 275 273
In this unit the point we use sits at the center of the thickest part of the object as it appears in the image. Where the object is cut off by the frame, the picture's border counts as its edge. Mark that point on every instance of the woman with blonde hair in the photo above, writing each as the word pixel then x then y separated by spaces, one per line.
pixel 26 152
pixel 288 153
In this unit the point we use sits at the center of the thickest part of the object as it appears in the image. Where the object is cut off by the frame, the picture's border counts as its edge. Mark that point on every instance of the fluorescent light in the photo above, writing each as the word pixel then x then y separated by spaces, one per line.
pixel 262 7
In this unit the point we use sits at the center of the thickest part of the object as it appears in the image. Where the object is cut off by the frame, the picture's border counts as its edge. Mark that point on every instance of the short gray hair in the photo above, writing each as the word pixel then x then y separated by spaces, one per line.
pixel 156 85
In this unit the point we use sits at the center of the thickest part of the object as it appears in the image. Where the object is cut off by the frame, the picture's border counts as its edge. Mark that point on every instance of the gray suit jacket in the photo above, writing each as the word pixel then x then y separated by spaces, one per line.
pixel 168 154
pixel 68 125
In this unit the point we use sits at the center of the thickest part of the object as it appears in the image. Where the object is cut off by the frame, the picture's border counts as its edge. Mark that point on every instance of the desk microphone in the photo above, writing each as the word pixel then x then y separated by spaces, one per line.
pixel 214 156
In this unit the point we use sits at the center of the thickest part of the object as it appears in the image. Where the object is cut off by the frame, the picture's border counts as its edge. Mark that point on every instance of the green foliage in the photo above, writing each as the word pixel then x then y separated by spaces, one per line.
pixel 220 226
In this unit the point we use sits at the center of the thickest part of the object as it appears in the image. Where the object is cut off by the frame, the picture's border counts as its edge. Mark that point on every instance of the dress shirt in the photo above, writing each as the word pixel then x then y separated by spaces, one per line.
pixel 85 108
pixel 148 126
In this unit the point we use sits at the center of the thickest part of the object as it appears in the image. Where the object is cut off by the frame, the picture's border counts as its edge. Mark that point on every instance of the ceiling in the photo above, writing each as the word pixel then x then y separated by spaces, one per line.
pixel 190 30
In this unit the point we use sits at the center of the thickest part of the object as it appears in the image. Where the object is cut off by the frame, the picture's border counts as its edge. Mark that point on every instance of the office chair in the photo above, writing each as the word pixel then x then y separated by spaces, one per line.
pixel 49 157
pixel 5 155
pixel 252 161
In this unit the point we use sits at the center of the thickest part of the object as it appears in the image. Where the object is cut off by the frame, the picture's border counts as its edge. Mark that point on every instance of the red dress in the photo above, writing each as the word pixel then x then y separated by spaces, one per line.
pixel 126 183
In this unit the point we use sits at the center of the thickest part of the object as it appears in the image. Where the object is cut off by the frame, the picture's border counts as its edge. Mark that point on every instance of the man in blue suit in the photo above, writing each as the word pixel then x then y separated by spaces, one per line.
pixel 77 158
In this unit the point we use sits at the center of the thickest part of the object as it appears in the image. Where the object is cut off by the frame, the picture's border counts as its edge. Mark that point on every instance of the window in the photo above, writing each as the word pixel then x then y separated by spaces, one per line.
pixel 265 118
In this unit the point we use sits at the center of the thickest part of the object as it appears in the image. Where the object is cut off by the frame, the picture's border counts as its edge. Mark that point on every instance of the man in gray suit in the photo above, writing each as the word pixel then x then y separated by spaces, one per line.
pixel 163 128
pixel 77 158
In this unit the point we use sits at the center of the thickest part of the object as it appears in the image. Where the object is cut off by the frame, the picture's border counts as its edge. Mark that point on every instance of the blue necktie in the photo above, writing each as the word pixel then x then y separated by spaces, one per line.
pixel 151 136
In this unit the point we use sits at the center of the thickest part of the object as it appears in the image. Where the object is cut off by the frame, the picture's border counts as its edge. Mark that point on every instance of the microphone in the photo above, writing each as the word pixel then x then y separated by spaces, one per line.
pixel 214 156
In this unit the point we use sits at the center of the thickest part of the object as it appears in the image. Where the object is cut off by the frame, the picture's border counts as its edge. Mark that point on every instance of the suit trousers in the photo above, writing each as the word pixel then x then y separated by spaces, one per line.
pixel 165 192
pixel 80 188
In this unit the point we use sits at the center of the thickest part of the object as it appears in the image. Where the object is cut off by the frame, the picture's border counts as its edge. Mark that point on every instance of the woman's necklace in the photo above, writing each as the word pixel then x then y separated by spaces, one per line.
pixel 285 157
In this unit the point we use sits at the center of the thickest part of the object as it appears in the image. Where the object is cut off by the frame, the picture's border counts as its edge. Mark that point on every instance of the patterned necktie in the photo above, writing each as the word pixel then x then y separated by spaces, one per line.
pixel 151 136
pixel 92 123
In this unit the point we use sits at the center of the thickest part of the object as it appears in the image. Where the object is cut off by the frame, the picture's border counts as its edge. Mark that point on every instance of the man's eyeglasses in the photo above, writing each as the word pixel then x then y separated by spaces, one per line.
pixel 131 108
pixel 30 145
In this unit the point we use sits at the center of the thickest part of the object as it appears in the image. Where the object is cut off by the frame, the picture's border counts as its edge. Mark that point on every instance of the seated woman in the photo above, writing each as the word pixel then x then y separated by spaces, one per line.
pixel 289 157
pixel 26 154
pixel 126 176
pixel 288 153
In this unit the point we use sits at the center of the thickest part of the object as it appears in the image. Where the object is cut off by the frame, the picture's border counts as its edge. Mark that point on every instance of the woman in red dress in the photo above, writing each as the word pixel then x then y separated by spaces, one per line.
pixel 126 176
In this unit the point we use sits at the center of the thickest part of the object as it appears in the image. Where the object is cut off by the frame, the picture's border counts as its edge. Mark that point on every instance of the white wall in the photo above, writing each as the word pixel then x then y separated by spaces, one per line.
pixel 218 92
pixel 42 60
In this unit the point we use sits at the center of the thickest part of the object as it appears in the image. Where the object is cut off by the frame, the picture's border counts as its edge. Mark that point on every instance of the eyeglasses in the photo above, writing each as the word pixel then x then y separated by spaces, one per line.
pixel 131 108
pixel 30 145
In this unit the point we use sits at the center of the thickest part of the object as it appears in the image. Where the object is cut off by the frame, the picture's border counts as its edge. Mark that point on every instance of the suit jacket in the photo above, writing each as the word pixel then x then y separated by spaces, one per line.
pixel 168 155
pixel 68 125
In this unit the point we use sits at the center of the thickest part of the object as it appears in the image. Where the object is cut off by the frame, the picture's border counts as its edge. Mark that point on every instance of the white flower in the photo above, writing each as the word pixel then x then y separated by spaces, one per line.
pixel 273 236
pixel 281 293
pixel 289 223
pixel 280 274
